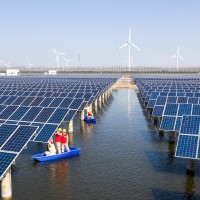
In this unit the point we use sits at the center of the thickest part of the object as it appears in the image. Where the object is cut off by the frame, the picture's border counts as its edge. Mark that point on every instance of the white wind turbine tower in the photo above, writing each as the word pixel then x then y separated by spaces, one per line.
pixel 129 44
pixel 57 57
pixel 30 65
pixel 67 62
pixel 177 56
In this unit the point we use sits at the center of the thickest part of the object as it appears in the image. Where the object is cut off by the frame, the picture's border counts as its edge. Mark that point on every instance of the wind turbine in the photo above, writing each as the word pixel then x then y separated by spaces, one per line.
pixel 177 56
pixel 30 65
pixel 129 44
pixel 57 57
pixel 67 62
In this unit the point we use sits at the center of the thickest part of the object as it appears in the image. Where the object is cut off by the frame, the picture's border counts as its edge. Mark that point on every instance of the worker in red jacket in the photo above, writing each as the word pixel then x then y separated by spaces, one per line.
pixel 64 141
pixel 58 136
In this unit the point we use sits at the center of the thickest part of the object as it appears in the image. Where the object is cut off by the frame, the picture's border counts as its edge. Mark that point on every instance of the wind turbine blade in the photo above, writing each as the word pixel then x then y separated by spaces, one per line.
pixel 135 46
pixel 174 56
pixel 54 51
pixel 180 57
pixel 62 53
pixel 56 58
pixel 123 45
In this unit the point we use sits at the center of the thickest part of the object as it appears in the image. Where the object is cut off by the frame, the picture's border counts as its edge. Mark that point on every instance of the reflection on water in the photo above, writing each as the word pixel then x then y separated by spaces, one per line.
pixel 121 158
pixel 189 186
pixel 58 173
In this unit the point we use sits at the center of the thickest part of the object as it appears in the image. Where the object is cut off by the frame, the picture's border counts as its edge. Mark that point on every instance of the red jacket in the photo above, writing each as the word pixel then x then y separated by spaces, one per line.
pixel 58 137
pixel 64 138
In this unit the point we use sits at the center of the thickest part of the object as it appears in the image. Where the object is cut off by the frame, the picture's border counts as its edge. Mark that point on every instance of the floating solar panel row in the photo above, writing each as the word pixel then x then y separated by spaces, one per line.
pixel 51 102
pixel 162 100
pixel 33 114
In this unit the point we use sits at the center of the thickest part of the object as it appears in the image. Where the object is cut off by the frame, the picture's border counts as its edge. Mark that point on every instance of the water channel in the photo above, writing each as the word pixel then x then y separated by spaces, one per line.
pixel 122 157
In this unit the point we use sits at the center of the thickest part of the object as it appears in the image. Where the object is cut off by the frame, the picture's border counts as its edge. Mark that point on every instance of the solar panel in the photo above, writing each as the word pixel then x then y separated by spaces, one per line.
pixel 5 132
pixel 70 115
pixel 6 159
pixel 90 101
pixel 27 101
pixel 196 110
pixel 31 114
pixel 56 102
pixel 161 100
pixel 58 116
pixel 182 100
pixel 171 109
pixel 20 137
pixel 36 101
pixel 3 99
pixel 158 111
pixel 46 133
pixel 76 104
pixel 79 95
pixel 178 124
pixel 10 100
pixel 168 123
pixel 151 103
pixel 193 100
pixel 46 101
pixel 87 96
pixel 63 94
pixel 8 112
pixel 19 113
pixel 187 146
pixel 44 115
pixel 184 109
pixel 40 125
pixel 18 101
pixel 190 125
pixel 71 94
pixel 197 95
pixel 82 106
pixel 66 103
pixel 171 99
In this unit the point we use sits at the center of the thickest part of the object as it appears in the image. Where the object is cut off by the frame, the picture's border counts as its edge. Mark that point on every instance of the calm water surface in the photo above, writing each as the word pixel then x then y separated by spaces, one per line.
pixel 122 157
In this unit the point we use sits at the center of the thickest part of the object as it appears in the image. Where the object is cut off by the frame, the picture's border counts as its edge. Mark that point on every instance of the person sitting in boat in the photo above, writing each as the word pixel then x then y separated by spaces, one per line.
pixel 51 148
pixel 58 137
pixel 64 141
pixel 89 115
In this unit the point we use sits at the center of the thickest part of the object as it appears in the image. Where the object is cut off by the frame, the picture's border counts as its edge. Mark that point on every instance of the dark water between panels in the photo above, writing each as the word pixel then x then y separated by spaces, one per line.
pixel 122 157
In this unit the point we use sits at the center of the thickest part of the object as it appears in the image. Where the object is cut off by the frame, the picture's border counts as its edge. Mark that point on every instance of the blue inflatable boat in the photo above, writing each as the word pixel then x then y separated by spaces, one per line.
pixel 90 119
pixel 42 157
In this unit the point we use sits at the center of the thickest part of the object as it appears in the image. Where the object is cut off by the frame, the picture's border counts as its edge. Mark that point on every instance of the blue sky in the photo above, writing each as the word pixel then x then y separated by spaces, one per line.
pixel 94 29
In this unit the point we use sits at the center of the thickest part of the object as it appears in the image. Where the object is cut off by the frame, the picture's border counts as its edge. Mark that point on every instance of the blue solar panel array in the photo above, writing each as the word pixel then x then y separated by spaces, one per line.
pixel 37 102
pixel 13 139
pixel 176 99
